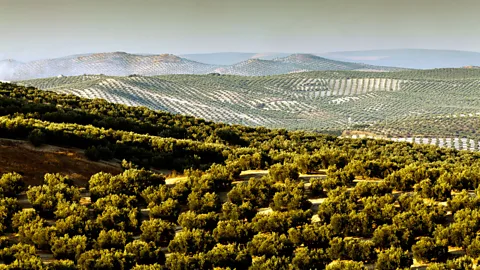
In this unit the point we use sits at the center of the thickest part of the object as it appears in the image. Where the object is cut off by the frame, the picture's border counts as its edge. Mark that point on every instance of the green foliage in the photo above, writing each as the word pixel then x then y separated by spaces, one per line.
pixel 306 258
pixel 393 258
pixel 280 221
pixel 270 244
pixel 426 249
pixel 192 241
pixel 130 182
pixel 229 256
pixel 111 239
pixel 351 249
pixel 291 197
pixel 238 212
pixel 104 259
pixel 271 263
pixel 346 265
pixel 280 173
pixel 464 263
pixel 190 220
pixel 203 203
pixel 56 188
pixel 17 252
pixel 11 184
pixel 179 261
pixel 113 217
pixel 70 248
pixel 258 192
pixel 36 137
pixel 145 253
pixel 61 265
pixel 310 235
pixel 232 231
pixel 157 231
pixel 473 249
pixel 168 210
pixel 37 233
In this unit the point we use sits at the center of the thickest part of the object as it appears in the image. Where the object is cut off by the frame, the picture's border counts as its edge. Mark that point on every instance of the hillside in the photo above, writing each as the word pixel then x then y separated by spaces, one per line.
pixel 230 58
pixel 113 64
pixel 219 59
pixel 410 58
pixel 124 64
pixel 313 100
pixel 293 64
pixel 249 198
pixel 34 162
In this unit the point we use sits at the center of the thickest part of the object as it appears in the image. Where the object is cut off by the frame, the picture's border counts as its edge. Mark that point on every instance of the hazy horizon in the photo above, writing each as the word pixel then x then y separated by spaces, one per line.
pixel 56 28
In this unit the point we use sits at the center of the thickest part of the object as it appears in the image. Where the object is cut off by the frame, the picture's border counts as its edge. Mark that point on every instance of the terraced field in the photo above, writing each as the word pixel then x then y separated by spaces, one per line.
pixel 400 104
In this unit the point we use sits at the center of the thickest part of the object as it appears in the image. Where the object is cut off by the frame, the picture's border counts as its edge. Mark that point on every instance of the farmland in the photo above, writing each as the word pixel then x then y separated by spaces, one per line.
pixel 238 196
pixel 441 103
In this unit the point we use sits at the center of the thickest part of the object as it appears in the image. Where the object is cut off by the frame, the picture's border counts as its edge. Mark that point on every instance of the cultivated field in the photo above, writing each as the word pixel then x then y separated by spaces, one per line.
pixel 432 104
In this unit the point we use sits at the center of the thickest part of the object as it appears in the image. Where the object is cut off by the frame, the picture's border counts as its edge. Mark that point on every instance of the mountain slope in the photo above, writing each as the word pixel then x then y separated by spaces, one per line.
pixel 223 59
pixel 410 58
pixel 123 64
pixel 230 58
pixel 293 64
pixel 313 62
pixel 114 64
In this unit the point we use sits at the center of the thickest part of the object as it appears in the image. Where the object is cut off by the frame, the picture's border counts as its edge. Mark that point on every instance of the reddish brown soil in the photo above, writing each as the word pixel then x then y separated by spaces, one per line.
pixel 33 163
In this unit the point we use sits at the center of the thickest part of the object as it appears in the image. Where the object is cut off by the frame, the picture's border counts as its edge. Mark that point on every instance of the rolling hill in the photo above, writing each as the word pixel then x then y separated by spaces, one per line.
pixel 114 64
pixel 293 64
pixel 123 64
pixel 328 100
pixel 230 58
pixel 410 58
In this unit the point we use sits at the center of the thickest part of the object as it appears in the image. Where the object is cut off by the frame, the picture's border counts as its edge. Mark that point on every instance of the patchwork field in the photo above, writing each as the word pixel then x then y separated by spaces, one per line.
pixel 442 103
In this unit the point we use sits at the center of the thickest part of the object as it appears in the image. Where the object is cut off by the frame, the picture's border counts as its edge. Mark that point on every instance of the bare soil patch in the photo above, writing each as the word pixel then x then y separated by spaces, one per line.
pixel 33 163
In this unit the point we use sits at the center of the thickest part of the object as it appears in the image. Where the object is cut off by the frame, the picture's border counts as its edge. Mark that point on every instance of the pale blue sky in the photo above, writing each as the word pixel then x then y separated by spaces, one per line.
pixel 36 29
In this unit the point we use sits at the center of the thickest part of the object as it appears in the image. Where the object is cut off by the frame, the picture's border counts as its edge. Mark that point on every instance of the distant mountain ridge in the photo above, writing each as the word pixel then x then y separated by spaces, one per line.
pixel 113 64
pixel 230 58
pixel 124 64
pixel 293 64
pixel 410 58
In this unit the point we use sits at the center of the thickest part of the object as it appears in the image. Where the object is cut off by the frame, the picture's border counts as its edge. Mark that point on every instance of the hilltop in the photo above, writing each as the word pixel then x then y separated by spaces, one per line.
pixel 293 64
pixel 124 64
pixel 230 58
pixel 410 58
pixel 114 64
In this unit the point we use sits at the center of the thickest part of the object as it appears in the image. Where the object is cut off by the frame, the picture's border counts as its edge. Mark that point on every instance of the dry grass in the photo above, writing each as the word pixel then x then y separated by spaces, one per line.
pixel 33 163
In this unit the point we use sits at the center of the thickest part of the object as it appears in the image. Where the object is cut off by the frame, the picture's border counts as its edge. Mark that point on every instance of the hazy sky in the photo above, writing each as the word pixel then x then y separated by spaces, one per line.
pixel 35 29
